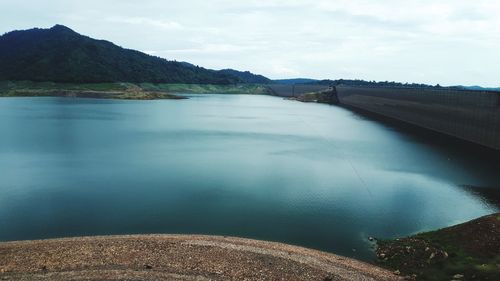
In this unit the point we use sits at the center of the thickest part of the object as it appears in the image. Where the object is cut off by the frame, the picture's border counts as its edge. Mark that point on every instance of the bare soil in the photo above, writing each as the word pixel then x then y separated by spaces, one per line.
pixel 468 251
pixel 175 257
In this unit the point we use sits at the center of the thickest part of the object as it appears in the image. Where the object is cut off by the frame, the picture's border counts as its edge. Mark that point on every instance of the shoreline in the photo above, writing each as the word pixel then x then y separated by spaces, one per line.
pixel 466 251
pixel 176 257
pixel 122 95
pixel 123 91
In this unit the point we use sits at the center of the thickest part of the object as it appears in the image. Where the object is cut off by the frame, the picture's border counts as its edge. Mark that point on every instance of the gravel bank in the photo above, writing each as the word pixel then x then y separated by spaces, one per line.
pixel 175 257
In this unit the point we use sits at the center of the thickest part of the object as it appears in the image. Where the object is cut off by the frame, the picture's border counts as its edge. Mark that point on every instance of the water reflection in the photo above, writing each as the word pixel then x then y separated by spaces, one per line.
pixel 251 166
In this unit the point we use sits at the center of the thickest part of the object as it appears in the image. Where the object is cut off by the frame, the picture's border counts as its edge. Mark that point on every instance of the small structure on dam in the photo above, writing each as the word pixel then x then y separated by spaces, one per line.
pixel 469 115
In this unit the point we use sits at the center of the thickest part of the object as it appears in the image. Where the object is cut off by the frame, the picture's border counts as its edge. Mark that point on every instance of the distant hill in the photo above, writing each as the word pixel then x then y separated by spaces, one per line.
pixel 247 76
pixel 379 84
pixel 479 88
pixel 389 84
pixel 295 81
pixel 59 54
pixel 376 84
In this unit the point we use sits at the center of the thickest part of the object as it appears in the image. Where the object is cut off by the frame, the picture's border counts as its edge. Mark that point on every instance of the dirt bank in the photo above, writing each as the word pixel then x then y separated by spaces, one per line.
pixel 175 257
pixel 468 251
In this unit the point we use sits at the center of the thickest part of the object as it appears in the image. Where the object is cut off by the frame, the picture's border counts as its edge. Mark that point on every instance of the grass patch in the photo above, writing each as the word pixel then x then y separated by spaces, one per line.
pixel 327 97
pixel 120 90
pixel 249 89
pixel 470 251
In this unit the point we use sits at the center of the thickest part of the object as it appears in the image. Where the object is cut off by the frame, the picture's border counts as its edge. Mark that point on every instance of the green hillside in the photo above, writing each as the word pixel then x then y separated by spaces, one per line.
pixel 59 54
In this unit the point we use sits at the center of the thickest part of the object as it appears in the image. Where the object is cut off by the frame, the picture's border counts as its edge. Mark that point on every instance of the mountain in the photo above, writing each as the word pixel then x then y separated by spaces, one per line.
pixel 59 54
pixel 246 76
pixel 295 81
pixel 378 84
pixel 479 88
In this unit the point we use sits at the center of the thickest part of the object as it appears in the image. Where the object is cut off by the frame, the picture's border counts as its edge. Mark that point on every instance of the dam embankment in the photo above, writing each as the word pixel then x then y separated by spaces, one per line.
pixel 473 116
pixel 469 115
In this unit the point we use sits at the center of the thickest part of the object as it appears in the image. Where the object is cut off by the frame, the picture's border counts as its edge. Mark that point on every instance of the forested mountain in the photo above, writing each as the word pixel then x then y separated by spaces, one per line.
pixel 295 81
pixel 247 76
pixel 479 88
pixel 383 84
pixel 59 54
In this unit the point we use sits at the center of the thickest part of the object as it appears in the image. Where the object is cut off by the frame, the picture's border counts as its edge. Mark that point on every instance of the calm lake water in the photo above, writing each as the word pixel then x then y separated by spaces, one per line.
pixel 251 166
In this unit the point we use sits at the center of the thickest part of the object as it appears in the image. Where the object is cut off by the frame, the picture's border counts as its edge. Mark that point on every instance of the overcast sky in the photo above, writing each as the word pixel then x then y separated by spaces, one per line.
pixel 429 41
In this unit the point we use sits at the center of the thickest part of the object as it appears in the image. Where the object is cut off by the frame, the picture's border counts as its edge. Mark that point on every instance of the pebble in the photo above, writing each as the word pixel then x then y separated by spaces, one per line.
pixel 217 256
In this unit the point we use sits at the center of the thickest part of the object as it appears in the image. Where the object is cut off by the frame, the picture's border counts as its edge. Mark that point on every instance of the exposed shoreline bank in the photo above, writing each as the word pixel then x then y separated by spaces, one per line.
pixel 467 251
pixel 124 91
pixel 325 97
pixel 97 95
pixel 175 257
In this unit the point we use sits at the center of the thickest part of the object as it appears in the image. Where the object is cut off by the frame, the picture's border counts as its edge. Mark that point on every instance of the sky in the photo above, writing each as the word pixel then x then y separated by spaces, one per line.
pixel 449 42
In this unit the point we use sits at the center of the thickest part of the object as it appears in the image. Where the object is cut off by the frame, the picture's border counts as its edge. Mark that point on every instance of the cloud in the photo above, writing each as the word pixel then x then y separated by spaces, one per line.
pixel 146 22
pixel 209 49
pixel 430 41
pixel 284 71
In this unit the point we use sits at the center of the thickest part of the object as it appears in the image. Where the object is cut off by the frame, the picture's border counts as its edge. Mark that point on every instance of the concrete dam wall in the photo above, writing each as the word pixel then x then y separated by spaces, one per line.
pixel 469 115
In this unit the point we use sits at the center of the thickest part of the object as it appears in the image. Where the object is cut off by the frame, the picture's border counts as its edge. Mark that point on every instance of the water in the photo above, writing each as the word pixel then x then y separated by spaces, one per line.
pixel 251 166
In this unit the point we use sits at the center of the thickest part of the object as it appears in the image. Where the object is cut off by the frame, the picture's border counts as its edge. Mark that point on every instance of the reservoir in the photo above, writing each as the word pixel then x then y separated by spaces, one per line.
pixel 259 167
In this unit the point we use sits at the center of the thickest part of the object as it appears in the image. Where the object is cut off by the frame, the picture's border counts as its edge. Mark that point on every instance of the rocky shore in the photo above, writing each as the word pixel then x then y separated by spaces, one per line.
pixel 175 257
pixel 327 97
pixel 468 251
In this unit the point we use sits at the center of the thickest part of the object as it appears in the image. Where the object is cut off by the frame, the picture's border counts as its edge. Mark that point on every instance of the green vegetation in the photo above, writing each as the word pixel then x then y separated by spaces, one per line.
pixel 327 97
pixel 384 84
pixel 296 81
pixel 248 89
pixel 247 76
pixel 26 85
pixel 120 90
pixel 61 55
pixel 469 251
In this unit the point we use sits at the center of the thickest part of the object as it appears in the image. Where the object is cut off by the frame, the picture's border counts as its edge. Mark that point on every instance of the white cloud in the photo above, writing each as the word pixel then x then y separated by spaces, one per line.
pixel 279 69
pixel 163 24
pixel 430 41
pixel 209 49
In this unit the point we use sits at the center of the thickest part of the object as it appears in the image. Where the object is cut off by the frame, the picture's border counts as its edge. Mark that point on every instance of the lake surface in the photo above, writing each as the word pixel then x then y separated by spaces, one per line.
pixel 251 166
